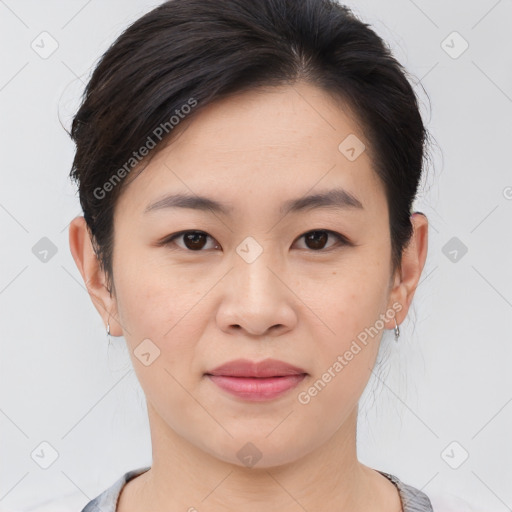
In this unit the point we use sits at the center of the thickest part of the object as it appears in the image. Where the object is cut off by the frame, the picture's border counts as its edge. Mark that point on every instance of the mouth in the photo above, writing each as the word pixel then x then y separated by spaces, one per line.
pixel 256 381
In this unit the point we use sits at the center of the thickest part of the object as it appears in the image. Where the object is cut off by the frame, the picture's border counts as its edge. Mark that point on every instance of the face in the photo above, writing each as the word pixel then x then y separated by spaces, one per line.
pixel 259 277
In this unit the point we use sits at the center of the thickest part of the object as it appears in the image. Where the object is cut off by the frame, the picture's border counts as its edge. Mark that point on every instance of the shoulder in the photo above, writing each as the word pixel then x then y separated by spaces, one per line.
pixel 413 500
pixel 107 500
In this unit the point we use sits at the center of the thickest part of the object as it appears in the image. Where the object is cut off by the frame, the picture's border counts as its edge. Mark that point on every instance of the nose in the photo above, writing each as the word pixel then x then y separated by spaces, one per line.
pixel 256 299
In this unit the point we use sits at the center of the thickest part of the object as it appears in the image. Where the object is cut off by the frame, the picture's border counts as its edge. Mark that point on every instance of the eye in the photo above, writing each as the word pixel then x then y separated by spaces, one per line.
pixel 193 240
pixel 317 239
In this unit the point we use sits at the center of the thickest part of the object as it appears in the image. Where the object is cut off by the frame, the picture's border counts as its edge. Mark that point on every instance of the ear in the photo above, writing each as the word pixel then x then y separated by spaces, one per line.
pixel 407 278
pixel 94 277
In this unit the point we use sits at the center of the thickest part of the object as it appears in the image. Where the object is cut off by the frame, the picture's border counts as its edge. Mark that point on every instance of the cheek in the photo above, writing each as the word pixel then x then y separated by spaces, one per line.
pixel 160 332
pixel 346 358
pixel 354 299
pixel 351 307
pixel 152 295
pixel 153 307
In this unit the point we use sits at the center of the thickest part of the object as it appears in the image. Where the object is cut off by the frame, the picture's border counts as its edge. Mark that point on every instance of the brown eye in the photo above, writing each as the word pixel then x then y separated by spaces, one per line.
pixel 197 241
pixel 192 240
pixel 317 239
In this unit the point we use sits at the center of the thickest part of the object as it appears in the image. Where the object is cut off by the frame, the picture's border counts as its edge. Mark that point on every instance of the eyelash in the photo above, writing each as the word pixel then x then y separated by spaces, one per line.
pixel 342 240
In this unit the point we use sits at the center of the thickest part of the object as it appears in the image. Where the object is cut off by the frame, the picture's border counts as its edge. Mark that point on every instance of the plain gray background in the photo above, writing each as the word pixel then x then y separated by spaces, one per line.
pixel 447 388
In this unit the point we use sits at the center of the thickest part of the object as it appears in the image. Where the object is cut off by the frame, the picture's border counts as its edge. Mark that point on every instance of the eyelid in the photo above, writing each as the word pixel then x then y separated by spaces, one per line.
pixel 170 238
pixel 342 239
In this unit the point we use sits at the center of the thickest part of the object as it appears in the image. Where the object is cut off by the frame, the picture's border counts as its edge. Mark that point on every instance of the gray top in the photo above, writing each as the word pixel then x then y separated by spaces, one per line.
pixel 413 500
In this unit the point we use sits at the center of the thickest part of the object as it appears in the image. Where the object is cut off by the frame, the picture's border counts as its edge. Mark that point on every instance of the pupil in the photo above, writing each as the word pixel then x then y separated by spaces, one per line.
pixel 192 238
pixel 313 237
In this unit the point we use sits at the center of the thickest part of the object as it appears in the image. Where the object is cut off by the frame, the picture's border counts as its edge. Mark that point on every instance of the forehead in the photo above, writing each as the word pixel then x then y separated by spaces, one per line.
pixel 278 121
pixel 265 142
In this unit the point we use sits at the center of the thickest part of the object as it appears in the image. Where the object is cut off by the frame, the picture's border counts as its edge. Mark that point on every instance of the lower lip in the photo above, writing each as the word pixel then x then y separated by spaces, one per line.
pixel 257 390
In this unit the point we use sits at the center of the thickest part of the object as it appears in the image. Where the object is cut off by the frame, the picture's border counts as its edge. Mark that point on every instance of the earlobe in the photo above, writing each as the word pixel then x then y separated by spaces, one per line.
pixel 413 261
pixel 94 277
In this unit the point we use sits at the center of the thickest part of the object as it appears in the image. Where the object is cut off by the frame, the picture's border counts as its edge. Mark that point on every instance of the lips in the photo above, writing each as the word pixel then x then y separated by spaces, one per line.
pixel 262 369
pixel 256 381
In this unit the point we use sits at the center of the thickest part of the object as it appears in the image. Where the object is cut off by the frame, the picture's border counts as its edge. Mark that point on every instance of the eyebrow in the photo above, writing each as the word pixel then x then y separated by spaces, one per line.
pixel 333 199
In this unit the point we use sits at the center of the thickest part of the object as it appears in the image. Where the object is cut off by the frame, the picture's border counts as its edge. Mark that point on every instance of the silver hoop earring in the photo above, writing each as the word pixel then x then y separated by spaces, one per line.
pixel 397 331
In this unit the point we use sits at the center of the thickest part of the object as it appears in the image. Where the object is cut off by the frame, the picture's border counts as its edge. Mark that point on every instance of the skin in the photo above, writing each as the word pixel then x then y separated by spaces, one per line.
pixel 294 303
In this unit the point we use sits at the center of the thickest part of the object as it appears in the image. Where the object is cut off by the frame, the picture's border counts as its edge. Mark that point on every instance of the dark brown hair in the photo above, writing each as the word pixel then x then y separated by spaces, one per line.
pixel 194 52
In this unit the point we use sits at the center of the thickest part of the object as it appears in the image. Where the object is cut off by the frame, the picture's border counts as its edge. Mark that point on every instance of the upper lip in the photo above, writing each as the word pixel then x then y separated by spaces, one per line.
pixel 247 368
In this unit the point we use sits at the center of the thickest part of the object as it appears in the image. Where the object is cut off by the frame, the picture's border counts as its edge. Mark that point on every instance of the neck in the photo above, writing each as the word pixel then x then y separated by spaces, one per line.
pixel 187 477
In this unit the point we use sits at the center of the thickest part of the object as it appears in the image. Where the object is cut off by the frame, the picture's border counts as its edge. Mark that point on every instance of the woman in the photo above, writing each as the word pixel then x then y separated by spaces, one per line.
pixel 247 171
